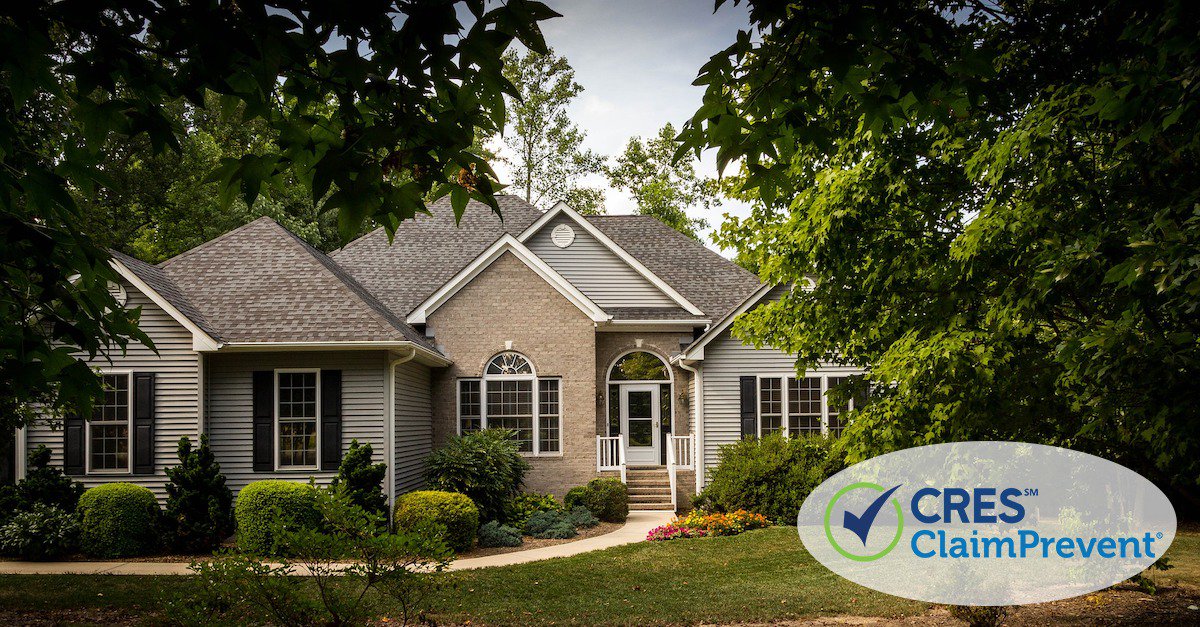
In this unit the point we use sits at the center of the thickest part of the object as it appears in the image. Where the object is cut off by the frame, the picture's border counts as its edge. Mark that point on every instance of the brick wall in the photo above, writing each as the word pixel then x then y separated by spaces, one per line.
pixel 508 302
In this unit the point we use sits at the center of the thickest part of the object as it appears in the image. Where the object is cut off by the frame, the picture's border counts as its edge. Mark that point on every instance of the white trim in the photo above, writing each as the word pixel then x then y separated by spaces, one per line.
pixel 698 414
pixel 641 349
pixel 655 390
pixel 482 380
pixel 201 341
pixel 507 243
pixel 429 357
pixel 275 413
pixel 87 430
pixel 562 208
pixel 695 351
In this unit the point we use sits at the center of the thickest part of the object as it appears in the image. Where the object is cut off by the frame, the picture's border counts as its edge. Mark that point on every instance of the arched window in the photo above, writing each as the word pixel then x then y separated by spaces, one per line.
pixel 639 366
pixel 509 395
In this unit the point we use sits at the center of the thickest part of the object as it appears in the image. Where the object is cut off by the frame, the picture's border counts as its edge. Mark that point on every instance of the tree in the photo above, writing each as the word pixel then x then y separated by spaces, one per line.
pixel 548 158
pixel 997 202
pixel 361 480
pixel 662 186
pixel 376 105
pixel 199 512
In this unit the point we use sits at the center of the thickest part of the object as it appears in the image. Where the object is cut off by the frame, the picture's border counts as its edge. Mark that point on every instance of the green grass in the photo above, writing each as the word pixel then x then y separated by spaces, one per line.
pixel 760 576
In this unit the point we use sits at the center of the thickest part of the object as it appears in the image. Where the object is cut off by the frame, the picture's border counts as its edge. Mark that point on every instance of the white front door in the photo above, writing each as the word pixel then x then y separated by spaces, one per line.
pixel 640 423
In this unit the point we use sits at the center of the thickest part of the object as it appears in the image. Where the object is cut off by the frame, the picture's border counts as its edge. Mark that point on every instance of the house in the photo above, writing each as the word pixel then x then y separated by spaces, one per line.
pixel 602 341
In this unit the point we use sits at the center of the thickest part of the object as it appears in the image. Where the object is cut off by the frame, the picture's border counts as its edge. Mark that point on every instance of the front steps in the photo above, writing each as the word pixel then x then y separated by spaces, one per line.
pixel 649 488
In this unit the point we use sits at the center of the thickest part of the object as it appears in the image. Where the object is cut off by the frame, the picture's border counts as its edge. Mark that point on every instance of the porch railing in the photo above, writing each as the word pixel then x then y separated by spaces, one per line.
pixel 684 449
pixel 610 454
pixel 671 469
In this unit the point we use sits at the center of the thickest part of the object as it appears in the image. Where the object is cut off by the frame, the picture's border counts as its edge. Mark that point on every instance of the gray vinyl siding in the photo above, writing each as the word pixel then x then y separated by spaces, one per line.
pixel 595 270
pixel 414 425
pixel 176 372
pixel 725 360
pixel 229 397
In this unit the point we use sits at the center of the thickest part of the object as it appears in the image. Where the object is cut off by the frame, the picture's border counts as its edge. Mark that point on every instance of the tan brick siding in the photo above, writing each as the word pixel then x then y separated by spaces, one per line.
pixel 508 302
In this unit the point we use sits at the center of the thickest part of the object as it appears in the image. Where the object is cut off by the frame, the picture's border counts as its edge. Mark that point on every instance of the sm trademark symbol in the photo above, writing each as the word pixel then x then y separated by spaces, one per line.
pixel 1031 491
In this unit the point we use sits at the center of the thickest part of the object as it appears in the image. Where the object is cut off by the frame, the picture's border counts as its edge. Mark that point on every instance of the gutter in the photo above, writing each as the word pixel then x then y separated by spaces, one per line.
pixel 698 412
pixel 389 438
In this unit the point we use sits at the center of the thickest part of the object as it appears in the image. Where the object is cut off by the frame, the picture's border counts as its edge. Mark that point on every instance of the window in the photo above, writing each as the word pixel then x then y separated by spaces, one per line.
pixel 770 405
pixel 469 414
pixel 639 366
pixel 297 418
pixel 108 430
pixel 835 411
pixel 510 396
pixel 549 418
pixel 806 401
pixel 804 406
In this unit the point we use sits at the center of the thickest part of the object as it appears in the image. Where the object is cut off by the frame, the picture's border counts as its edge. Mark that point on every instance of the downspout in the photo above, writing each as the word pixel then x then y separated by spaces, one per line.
pixel 389 438
pixel 698 412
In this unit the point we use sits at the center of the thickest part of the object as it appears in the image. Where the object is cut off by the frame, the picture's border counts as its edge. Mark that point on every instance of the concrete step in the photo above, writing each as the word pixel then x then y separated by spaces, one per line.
pixel 647 492
pixel 664 506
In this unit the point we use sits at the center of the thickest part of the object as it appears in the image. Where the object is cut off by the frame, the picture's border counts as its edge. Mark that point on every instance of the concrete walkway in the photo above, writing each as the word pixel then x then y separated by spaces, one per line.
pixel 634 530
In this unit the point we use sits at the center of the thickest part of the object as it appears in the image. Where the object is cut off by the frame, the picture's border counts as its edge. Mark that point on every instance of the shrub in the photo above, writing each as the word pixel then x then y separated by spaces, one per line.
pixel 719 524
pixel 351 571
pixel 581 516
pixel 484 465
pixel 979 616
pixel 451 510
pixel 771 476
pixel 262 503
pixel 43 484
pixel 118 520
pixel 494 534
pixel 673 532
pixel 44 532
pixel 551 524
pixel 606 498
pixel 519 508
pixel 361 480
pixel 199 512
pixel 574 497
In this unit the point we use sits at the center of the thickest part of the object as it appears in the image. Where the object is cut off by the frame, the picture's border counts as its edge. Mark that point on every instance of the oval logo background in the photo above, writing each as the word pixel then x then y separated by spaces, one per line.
pixel 987 523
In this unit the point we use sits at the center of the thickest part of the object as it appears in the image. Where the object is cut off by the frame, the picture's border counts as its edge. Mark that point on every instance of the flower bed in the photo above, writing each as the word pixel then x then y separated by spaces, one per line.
pixel 697 525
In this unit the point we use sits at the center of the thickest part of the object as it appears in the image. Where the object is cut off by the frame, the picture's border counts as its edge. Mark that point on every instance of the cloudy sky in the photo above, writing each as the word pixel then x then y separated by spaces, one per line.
pixel 636 61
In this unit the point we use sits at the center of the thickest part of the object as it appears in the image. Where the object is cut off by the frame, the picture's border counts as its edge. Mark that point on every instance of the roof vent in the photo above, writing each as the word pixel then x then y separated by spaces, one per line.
pixel 562 235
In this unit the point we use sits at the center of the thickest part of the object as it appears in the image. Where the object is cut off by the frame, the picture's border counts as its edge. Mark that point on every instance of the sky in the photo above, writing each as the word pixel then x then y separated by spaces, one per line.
pixel 636 61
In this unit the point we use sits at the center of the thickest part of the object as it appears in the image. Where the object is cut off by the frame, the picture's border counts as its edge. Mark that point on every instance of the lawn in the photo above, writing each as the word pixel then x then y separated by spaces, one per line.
pixel 759 576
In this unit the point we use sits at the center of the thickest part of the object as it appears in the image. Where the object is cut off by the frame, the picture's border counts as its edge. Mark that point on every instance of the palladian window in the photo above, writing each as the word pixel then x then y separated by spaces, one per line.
pixel 511 396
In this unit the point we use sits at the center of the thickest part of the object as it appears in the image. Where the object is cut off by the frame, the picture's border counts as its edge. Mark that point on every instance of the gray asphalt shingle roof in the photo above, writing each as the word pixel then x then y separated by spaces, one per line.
pixel 429 250
pixel 261 283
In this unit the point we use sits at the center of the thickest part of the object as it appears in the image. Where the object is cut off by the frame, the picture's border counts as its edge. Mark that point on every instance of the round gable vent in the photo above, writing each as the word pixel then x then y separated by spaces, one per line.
pixel 562 235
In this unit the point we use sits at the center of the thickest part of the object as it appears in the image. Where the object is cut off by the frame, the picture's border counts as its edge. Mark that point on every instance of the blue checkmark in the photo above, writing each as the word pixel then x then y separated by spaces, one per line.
pixel 861 524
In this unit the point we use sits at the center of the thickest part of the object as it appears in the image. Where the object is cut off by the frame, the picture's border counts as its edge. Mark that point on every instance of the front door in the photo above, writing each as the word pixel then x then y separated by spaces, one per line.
pixel 639 423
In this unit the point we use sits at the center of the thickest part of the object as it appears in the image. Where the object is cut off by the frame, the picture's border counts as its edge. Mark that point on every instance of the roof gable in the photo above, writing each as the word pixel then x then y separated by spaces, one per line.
pixel 428 250
pixel 562 210
pixel 506 244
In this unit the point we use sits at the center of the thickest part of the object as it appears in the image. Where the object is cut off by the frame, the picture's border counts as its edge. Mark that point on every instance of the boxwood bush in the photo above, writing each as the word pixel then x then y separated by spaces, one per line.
pixel 118 520
pixel 606 498
pixel 263 505
pixel 417 511
pixel 770 476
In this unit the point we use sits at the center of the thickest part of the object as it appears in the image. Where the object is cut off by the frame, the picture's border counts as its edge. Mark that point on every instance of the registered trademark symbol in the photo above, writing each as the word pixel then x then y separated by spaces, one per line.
pixel 1160 535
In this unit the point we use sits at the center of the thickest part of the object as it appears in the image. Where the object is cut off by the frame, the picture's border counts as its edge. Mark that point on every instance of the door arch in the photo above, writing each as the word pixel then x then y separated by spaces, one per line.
pixel 640 392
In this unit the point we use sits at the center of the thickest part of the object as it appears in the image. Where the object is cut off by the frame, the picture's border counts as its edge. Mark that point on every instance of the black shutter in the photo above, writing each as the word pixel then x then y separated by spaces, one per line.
pixel 331 419
pixel 143 423
pixel 264 419
pixel 749 405
pixel 73 444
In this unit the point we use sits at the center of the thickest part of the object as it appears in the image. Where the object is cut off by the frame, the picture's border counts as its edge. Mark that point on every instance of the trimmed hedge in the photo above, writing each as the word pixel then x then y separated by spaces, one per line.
pixel 118 520
pixel 416 511
pixel 607 498
pixel 262 504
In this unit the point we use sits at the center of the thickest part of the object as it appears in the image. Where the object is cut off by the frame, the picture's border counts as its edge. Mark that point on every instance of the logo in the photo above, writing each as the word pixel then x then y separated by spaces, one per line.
pixel 860 525
pixel 986 523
